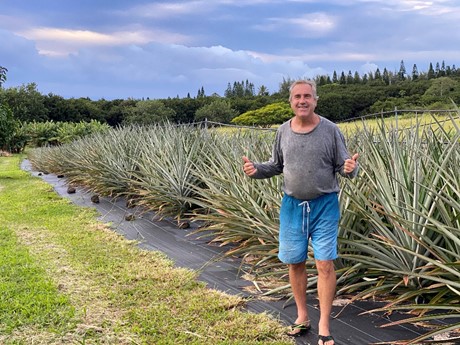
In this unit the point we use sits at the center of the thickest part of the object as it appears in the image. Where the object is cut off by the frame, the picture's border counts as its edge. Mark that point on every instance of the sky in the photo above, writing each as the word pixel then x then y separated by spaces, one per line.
pixel 137 49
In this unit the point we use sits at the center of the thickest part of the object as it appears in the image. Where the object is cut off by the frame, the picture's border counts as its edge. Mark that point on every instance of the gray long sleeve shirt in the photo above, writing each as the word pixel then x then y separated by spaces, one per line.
pixel 309 161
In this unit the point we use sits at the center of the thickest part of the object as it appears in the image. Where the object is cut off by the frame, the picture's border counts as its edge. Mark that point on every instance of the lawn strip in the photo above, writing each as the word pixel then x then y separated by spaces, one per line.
pixel 119 291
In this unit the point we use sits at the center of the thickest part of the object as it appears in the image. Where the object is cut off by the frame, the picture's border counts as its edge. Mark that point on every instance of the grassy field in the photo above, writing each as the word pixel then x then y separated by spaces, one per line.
pixel 403 121
pixel 68 279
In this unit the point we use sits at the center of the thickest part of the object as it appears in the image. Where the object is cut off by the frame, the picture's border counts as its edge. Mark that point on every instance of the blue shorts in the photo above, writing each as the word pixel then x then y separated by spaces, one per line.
pixel 301 220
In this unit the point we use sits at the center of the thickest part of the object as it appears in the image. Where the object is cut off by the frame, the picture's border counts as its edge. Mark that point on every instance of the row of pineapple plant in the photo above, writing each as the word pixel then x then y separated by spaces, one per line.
pixel 400 228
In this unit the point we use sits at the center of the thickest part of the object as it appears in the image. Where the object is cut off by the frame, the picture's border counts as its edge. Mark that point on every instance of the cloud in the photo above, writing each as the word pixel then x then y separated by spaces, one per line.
pixel 318 23
pixel 309 25
pixel 427 8
pixel 154 71
pixel 58 42
pixel 162 48
pixel 314 57
pixel 368 67
pixel 166 10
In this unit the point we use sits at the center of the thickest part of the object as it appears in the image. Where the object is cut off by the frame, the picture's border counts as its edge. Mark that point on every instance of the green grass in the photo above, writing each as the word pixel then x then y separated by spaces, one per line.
pixel 67 279
pixel 27 295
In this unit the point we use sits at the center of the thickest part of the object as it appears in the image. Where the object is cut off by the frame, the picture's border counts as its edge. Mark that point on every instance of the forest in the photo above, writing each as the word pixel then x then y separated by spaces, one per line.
pixel 343 96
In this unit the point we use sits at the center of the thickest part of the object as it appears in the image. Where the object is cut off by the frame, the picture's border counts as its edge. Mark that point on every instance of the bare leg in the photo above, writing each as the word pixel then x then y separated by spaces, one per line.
pixel 326 291
pixel 298 280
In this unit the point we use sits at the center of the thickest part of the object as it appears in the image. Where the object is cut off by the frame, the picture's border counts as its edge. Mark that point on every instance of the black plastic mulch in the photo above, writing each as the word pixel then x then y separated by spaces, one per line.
pixel 222 273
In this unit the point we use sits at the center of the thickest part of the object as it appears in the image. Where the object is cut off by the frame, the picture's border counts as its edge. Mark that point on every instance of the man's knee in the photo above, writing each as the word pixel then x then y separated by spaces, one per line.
pixel 297 269
pixel 325 267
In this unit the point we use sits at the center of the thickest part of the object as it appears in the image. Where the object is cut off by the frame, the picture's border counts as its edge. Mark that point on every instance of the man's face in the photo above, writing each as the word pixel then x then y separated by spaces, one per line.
pixel 303 103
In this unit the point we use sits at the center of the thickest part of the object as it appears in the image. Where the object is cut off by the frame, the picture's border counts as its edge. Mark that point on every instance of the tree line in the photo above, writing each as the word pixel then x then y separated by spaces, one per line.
pixel 342 96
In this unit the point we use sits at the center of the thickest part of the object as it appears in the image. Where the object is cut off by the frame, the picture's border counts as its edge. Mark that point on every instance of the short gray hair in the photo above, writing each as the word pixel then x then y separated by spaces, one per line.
pixel 310 82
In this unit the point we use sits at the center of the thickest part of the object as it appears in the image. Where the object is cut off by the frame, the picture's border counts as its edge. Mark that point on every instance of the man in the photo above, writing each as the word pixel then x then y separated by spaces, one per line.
pixel 309 150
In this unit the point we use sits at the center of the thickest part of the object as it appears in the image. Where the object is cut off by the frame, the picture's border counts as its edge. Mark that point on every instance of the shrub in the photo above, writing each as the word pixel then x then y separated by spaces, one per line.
pixel 12 139
pixel 275 113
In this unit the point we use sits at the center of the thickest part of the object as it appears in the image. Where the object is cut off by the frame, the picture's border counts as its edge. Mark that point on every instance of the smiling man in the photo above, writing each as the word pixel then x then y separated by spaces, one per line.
pixel 309 151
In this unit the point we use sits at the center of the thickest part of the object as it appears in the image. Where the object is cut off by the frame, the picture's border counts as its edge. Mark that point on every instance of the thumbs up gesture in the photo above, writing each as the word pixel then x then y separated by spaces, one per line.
pixel 248 167
pixel 350 164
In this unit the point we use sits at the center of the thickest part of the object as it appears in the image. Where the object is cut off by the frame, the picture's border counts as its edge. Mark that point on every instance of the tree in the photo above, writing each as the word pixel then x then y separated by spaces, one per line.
pixel 402 71
pixel 442 71
pixel 283 92
pixel 415 73
pixel 3 71
pixel 228 92
pixel 248 89
pixel 200 93
pixel 357 78
pixel 350 77
pixel 8 127
pixel 219 110
pixel 112 111
pixel 238 89
pixel 147 113
pixel 386 76
pixel 431 73
pixel 335 79
pixel 84 109
pixel 441 87
pixel 26 103
pixel 370 76
pixel 263 91
pixel 184 108
pixel 59 109
pixel 437 70
pixel 335 105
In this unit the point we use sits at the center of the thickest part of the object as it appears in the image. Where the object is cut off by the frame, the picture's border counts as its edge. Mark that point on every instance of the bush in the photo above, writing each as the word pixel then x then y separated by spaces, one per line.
pixel 12 139
pixel 52 133
pixel 218 110
pixel 272 114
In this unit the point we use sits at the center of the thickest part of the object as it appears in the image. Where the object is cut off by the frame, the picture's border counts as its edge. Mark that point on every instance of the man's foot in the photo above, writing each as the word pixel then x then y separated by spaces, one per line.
pixel 326 340
pixel 298 329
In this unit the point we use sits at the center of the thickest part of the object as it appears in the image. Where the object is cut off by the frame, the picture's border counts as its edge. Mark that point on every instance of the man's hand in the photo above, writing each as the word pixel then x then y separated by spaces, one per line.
pixel 350 164
pixel 248 167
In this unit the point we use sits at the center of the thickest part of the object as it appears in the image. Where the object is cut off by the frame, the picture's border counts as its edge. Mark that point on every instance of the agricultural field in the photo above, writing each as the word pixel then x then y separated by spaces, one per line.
pixel 400 229
pixel 400 120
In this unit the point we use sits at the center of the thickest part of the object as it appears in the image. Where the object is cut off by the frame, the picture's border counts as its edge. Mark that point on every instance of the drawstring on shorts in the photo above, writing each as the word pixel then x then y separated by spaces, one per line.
pixel 305 208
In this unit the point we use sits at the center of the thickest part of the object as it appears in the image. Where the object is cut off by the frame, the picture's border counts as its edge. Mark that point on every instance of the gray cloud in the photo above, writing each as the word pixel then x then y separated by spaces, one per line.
pixel 171 48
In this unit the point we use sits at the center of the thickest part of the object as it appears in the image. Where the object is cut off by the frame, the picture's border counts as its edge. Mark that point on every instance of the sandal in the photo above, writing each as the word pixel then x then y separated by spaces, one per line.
pixel 325 339
pixel 298 329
